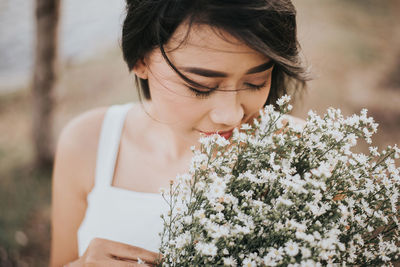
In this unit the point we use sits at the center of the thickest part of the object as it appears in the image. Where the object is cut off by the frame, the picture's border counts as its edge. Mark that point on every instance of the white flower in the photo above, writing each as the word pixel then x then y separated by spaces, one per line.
pixel 270 183
pixel 352 139
pixel 219 207
pixel 268 261
pixel 361 158
pixel 317 235
pixel 298 226
pixel 368 254
pixel 383 256
pixel 278 226
pixel 240 137
pixel 283 100
pixel 218 231
pixel 327 244
pixel 182 240
pixel 238 229
pixel 393 201
pixel 217 188
pixel 199 159
pixel 341 246
pixel 315 209
pixel 230 261
pixel 309 263
pixel 245 126
pixel 276 254
pixel 200 214
pixel 208 249
pixel 295 183
pixel 284 201
pixel 305 252
pixel 374 151
pixel 221 141
pixel 304 236
pixel 324 169
pixel 249 263
pixel 344 210
pixel 291 248
pixel 337 135
pixel 187 219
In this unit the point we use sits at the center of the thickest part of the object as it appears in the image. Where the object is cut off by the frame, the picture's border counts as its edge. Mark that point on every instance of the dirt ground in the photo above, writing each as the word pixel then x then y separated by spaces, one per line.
pixel 352 47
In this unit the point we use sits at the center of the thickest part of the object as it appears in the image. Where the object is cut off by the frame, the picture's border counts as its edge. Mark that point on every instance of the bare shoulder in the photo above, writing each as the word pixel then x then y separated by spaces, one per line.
pixel 73 178
pixel 88 122
pixel 77 144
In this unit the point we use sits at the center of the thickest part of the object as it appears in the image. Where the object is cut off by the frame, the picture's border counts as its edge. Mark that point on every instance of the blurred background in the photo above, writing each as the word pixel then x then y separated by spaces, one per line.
pixel 352 46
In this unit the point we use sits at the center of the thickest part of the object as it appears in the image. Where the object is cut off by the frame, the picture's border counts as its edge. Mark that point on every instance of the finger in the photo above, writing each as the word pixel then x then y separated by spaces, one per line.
pixel 111 261
pixel 115 261
pixel 129 252
pixel 120 263
pixel 138 262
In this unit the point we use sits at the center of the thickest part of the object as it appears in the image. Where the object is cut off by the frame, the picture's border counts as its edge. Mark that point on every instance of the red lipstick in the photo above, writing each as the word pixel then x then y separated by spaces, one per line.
pixel 224 134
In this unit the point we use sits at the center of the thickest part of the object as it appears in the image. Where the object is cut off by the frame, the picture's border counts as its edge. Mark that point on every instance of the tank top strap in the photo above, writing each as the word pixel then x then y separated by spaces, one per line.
pixel 108 147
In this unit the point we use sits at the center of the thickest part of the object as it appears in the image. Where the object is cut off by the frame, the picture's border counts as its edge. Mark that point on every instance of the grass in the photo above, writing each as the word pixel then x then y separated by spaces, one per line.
pixel 25 225
pixel 24 192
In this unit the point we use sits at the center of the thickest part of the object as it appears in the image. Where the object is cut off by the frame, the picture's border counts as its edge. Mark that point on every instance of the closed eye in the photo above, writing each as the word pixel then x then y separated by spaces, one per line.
pixel 255 86
pixel 202 93
pixel 205 93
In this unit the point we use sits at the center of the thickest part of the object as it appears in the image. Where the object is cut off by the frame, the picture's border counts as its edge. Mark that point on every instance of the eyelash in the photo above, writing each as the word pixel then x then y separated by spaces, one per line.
pixel 205 94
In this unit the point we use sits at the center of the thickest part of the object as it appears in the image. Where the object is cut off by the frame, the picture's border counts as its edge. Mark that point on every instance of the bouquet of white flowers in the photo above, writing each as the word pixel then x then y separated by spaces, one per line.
pixel 281 194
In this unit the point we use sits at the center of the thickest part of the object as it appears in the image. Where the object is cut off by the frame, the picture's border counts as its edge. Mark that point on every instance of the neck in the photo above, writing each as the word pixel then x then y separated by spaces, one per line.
pixel 167 142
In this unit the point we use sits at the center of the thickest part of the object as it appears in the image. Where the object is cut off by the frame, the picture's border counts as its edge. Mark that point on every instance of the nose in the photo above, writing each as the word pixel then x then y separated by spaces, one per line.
pixel 227 109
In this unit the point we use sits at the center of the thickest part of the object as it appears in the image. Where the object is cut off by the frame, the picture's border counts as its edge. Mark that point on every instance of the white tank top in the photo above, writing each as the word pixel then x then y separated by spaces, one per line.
pixel 115 213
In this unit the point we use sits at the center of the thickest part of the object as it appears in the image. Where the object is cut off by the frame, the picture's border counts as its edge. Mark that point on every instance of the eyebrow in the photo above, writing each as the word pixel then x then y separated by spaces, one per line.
pixel 214 74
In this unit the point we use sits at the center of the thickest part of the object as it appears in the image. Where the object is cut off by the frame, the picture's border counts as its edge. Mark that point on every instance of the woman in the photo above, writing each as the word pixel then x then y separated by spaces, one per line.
pixel 203 67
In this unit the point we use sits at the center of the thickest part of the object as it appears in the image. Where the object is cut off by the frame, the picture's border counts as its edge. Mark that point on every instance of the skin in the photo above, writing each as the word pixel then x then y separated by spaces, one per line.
pixel 159 132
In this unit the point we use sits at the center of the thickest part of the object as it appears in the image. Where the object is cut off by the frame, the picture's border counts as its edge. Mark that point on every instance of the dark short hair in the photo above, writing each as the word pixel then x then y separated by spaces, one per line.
pixel 267 26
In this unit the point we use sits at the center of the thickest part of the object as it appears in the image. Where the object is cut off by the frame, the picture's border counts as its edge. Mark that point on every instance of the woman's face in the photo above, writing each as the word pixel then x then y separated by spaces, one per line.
pixel 209 60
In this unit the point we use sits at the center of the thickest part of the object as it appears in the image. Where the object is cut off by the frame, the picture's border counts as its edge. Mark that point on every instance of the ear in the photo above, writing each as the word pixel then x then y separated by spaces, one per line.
pixel 140 69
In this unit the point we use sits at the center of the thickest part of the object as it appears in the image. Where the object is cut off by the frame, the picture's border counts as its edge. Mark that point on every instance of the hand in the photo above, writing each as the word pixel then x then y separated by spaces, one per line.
pixel 103 252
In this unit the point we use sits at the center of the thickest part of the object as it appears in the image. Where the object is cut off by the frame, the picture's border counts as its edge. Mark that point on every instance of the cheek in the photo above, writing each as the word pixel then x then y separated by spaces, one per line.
pixel 255 101
pixel 173 108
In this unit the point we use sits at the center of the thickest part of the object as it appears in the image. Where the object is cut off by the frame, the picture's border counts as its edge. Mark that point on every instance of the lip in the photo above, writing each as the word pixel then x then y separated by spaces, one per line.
pixel 225 134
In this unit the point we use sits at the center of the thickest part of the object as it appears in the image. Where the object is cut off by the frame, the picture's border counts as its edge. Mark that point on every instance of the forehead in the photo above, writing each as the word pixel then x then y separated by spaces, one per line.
pixel 205 37
pixel 203 44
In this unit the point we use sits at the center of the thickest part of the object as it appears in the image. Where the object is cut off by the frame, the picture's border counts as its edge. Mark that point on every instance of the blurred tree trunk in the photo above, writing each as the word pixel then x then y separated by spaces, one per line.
pixel 44 80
